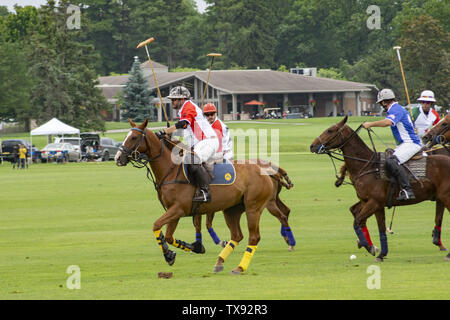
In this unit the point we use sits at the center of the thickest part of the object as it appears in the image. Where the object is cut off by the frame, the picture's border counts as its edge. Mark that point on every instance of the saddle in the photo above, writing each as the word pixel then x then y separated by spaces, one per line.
pixel 223 173
pixel 416 168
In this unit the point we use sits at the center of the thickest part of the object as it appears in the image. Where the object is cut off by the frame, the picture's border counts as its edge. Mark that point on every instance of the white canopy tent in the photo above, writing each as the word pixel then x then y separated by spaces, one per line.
pixel 52 127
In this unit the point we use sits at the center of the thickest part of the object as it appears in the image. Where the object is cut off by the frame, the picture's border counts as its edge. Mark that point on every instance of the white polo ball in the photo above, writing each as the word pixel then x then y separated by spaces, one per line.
pixel 352 257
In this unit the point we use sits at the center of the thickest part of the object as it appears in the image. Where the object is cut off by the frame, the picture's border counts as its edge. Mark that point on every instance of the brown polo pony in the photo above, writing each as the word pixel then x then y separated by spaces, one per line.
pixel 437 142
pixel 373 191
pixel 439 134
pixel 280 179
pixel 251 192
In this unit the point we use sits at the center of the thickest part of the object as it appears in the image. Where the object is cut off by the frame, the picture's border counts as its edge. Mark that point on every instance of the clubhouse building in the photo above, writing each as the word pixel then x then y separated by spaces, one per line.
pixel 242 94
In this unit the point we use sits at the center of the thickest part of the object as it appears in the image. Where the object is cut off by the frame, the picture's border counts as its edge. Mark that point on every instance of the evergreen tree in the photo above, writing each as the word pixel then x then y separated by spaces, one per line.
pixel 136 96
pixel 62 64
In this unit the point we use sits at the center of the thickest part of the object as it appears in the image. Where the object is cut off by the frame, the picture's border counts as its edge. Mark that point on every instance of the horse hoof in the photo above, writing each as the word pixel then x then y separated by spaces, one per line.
pixel 447 257
pixel 223 243
pixel 291 248
pixel 170 257
pixel 197 247
pixel 379 259
pixel 442 248
pixel 218 268
pixel 236 271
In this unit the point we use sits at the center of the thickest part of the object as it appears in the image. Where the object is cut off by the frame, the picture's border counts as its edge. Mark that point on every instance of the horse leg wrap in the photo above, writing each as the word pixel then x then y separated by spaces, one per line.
pixel 228 249
pixel 361 237
pixel 214 236
pixel 290 236
pixel 182 245
pixel 283 231
pixel 198 237
pixel 367 235
pixel 161 241
pixel 437 236
pixel 384 244
pixel 248 255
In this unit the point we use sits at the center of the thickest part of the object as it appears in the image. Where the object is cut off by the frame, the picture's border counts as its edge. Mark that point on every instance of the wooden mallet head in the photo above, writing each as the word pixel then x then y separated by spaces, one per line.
pixel 143 43
pixel 214 55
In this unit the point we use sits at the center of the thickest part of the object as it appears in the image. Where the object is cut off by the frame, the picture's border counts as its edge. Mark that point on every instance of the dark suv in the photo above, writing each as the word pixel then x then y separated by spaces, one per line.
pixel 8 149
pixel 104 148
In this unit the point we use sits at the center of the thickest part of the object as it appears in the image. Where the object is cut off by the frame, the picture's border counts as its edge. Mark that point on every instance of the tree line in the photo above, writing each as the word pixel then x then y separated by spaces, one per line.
pixel 347 39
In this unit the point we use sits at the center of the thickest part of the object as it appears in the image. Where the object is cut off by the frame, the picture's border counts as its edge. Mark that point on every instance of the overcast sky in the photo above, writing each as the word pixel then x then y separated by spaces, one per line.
pixel 37 3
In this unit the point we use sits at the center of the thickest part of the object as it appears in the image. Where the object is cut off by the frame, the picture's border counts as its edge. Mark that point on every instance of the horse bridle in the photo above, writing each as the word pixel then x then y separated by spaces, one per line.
pixel 137 158
pixel 324 149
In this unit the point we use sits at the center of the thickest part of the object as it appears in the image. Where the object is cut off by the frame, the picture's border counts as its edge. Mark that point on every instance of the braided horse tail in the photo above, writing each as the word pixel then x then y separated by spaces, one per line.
pixel 276 173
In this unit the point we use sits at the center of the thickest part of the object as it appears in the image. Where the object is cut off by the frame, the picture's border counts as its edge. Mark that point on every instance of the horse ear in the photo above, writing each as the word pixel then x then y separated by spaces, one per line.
pixel 131 123
pixel 343 121
pixel 144 125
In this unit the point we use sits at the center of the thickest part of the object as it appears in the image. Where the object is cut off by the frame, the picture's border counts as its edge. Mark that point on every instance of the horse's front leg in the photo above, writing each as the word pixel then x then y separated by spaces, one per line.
pixel 437 229
pixel 366 210
pixel 381 221
pixel 355 209
pixel 170 217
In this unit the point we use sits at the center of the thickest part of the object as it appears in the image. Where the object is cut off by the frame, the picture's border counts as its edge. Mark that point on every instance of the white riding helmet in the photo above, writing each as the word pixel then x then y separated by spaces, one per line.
pixel 427 95
pixel 385 94
pixel 179 92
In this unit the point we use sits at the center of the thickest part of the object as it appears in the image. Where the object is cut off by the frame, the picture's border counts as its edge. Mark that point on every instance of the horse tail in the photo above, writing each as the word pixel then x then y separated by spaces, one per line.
pixel 285 181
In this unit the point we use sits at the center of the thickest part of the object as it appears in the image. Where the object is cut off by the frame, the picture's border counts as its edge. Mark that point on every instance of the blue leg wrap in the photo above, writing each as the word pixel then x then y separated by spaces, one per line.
pixel 384 244
pixel 214 235
pixel 283 231
pixel 290 236
pixel 198 237
pixel 361 237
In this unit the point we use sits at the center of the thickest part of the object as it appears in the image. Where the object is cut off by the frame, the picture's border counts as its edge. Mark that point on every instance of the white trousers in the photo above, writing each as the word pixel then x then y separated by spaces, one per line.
pixel 405 151
pixel 206 149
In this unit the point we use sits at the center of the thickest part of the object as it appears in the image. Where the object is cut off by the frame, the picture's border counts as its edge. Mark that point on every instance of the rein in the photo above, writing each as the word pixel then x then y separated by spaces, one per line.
pixel 141 160
pixel 341 157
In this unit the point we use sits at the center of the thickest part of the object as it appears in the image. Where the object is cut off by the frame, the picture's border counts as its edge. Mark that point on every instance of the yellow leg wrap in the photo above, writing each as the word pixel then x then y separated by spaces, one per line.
pixel 228 249
pixel 160 239
pixel 248 255
pixel 180 245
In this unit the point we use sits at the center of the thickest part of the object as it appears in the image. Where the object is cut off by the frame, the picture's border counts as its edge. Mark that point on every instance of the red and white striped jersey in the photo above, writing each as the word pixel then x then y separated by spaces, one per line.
pixel 198 128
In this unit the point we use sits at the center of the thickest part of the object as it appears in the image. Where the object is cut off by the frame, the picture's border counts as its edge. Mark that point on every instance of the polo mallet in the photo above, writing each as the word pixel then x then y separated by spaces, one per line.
pixel 212 55
pixel 390 226
pixel 397 48
pixel 144 43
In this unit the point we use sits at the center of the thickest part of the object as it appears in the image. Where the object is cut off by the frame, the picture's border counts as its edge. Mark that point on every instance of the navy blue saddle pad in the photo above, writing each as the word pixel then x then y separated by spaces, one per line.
pixel 224 173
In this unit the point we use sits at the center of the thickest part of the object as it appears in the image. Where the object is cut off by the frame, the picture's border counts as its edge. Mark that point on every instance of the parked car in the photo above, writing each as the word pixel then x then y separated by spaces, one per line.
pixel 60 152
pixel 104 148
pixel 75 141
pixel 8 146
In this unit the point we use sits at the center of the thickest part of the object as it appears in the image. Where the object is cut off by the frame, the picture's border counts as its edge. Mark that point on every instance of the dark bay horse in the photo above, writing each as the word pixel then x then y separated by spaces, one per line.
pixel 439 135
pixel 280 179
pixel 251 192
pixel 372 191
pixel 437 142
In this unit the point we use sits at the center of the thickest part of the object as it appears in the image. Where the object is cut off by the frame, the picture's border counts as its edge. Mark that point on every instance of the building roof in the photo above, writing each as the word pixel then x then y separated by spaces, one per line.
pixel 263 81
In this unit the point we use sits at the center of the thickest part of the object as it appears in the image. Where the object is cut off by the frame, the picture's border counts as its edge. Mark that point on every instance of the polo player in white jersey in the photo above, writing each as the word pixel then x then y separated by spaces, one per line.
pixel 198 134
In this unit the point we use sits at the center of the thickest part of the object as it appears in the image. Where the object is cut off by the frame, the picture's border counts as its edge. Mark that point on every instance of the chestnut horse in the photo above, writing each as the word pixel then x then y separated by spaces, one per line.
pixel 280 180
pixel 251 192
pixel 372 191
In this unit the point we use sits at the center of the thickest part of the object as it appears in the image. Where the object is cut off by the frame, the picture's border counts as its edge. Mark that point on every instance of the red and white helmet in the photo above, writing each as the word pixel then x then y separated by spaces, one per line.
pixel 209 107
pixel 427 96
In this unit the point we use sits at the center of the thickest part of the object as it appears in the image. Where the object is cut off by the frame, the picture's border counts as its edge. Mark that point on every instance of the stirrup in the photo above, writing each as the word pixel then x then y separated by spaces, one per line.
pixel 405 195
pixel 204 197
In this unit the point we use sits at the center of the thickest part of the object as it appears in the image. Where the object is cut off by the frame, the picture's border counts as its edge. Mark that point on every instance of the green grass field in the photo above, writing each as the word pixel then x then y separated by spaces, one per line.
pixel 99 217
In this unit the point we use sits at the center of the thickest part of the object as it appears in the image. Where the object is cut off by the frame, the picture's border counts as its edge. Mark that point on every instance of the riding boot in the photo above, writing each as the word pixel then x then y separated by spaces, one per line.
pixel 202 179
pixel 395 169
